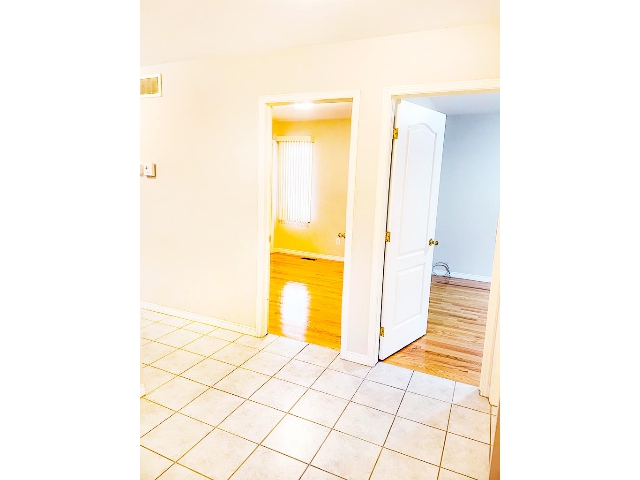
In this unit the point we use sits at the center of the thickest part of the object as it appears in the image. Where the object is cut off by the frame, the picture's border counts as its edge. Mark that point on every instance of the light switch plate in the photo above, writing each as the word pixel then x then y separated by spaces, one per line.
pixel 150 169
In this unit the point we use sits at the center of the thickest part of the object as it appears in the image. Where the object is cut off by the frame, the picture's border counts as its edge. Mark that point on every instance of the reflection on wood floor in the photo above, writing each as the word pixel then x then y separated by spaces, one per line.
pixel 305 299
pixel 305 302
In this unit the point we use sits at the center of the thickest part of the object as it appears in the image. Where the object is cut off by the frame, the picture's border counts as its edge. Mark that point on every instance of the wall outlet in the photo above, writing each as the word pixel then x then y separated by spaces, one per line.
pixel 338 241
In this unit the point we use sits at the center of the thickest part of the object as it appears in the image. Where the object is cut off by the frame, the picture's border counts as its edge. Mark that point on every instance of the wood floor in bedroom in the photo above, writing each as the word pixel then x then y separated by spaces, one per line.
pixel 305 304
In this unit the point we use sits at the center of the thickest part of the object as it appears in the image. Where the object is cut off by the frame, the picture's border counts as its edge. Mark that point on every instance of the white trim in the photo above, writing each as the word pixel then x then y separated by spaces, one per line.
pixel 470 276
pixel 264 200
pixel 300 253
pixel 382 188
pixel 491 333
pixel 294 138
pixel 142 390
pixel 196 317
pixel 357 358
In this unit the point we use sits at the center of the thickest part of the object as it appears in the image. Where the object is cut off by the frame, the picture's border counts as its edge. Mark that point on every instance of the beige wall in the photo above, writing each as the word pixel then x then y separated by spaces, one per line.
pixel 199 215
pixel 328 189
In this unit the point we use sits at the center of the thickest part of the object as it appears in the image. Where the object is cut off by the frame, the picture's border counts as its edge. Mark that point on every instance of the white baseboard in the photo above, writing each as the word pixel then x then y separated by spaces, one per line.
pixel 196 317
pixel 142 391
pixel 298 253
pixel 468 276
pixel 357 358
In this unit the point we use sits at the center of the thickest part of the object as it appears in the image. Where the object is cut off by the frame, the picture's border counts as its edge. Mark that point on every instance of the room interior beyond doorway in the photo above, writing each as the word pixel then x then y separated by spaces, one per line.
pixel 309 212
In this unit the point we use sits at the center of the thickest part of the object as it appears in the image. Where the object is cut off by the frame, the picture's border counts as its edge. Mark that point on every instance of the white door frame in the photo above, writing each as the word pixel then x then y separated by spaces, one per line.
pixel 264 200
pixel 389 94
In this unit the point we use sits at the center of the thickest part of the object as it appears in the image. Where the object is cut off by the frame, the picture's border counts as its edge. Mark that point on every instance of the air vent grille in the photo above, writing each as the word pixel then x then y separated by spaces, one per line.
pixel 151 86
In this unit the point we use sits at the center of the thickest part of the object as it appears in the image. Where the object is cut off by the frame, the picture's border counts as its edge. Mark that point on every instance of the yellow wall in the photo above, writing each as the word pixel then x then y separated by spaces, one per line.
pixel 199 215
pixel 328 189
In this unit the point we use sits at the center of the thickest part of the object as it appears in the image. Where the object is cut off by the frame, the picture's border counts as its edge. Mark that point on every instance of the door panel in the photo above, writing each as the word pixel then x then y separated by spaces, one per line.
pixel 411 220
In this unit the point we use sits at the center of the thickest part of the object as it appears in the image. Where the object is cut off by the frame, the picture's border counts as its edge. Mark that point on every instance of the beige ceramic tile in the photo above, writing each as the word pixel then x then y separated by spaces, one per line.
pixel 206 346
pixel 252 421
pixel 152 464
pixel 365 423
pixel 449 475
pixel 234 354
pixel 255 342
pixel 227 335
pixel 466 456
pixel 145 323
pixel 156 330
pixel 279 394
pixel 242 383
pixel 178 472
pixel 416 440
pixel 151 415
pixel 212 407
pixel 285 346
pixel 175 321
pixel 153 377
pixel 470 423
pixel 178 338
pixel 175 436
pixel 154 316
pixel 144 341
pixel 176 393
pixel 421 409
pixel 377 395
pixel 314 473
pixel 297 438
pixel 347 456
pixel 320 408
pixel 338 384
pixel 345 366
pixel 267 464
pixel 152 351
pixel 391 375
pixel 431 386
pixel 266 363
pixel 200 328
pixel 469 396
pixel 209 371
pixel 300 372
pixel 178 361
pixel 218 455
pixel 395 465
pixel 317 355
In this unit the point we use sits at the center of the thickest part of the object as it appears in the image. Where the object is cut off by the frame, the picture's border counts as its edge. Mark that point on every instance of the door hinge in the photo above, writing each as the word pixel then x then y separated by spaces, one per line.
pixel 395 133
pixel 387 237
pixel 382 331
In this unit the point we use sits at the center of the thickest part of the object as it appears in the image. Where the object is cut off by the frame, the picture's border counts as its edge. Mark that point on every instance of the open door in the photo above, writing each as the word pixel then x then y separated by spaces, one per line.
pixel 411 225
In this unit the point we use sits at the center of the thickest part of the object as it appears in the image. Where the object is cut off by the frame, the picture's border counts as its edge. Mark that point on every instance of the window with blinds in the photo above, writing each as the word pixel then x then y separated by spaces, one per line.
pixel 294 181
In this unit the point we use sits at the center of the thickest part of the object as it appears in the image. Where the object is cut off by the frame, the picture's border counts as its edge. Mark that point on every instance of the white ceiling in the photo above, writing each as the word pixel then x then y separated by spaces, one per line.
pixel 315 111
pixel 175 30
pixel 461 104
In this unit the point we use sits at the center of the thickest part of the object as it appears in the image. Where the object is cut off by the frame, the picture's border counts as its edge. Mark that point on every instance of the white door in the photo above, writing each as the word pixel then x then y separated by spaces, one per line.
pixel 411 222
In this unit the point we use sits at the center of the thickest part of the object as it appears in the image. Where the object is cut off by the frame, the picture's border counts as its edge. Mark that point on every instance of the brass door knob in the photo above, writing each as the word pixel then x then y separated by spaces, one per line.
pixel 433 242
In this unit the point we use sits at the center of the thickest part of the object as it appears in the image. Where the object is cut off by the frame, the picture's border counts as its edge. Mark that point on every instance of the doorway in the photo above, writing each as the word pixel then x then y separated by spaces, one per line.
pixel 442 214
pixel 309 143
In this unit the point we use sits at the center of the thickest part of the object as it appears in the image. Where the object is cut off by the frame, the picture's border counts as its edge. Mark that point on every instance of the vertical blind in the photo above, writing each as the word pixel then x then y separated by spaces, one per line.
pixel 294 182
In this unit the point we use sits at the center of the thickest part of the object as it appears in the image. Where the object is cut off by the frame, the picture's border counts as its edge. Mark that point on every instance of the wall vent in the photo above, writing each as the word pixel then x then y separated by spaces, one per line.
pixel 151 86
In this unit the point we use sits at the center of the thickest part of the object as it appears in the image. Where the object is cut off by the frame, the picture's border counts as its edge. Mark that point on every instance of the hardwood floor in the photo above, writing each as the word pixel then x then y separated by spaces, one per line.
pixel 305 302
pixel 305 299
pixel 452 347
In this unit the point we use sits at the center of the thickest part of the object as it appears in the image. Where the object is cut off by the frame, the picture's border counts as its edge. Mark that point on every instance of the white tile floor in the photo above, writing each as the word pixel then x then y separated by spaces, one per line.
pixel 221 405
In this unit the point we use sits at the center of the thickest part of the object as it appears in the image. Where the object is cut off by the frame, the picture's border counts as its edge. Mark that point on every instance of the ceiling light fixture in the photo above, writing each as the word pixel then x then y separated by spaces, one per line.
pixel 303 106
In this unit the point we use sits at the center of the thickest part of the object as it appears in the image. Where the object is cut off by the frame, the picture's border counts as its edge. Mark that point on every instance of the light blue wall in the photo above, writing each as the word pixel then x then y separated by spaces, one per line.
pixel 469 194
